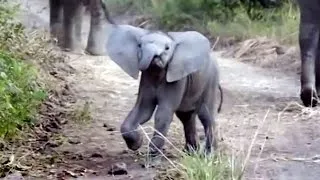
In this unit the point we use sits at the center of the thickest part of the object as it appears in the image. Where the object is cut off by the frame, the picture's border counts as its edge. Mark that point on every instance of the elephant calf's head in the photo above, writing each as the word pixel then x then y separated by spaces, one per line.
pixel 155 49
pixel 180 53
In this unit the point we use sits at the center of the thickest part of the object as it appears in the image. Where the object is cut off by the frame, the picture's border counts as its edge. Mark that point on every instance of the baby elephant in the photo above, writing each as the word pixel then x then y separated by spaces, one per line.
pixel 178 76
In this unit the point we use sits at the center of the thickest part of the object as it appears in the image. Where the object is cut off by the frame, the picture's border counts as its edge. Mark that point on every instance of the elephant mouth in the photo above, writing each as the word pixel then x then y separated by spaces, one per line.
pixel 157 61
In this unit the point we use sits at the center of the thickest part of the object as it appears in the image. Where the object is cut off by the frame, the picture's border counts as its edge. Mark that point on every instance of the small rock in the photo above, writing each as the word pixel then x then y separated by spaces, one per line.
pixel 53 171
pixel 74 141
pixel 77 157
pixel 2 146
pixel 70 173
pixel 96 155
pixel 109 127
pixel 53 144
pixel 118 169
pixel 124 152
pixel 15 176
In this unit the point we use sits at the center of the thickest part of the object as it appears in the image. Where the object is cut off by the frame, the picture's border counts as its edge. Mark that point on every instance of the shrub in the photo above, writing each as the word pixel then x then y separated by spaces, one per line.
pixel 20 95
pixel 20 91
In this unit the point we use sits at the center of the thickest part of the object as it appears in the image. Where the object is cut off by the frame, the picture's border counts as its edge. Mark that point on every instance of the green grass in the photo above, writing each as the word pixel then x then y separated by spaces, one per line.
pixel 281 25
pixel 20 95
pixel 21 92
pixel 217 167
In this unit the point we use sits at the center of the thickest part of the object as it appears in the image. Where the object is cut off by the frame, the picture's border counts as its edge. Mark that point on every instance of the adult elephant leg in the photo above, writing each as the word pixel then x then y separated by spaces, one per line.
pixel 308 41
pixel 188 120
pixel 317 68
pixel 56 17
pixel 97 38
pixel 72 23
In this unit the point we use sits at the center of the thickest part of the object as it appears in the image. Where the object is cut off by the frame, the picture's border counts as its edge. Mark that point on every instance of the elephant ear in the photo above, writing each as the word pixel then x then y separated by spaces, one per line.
pixel 190 54
pixel 122 47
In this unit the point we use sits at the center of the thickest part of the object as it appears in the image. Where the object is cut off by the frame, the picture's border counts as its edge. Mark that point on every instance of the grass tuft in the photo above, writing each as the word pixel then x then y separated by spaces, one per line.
pixel 217 167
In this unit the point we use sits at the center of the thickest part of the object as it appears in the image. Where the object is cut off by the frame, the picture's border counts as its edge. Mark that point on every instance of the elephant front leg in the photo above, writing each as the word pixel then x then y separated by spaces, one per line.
pixel 73 15
pixel 97 38
pixel 163 119
pixel 56 17
pixel 308 41
pixel 140 114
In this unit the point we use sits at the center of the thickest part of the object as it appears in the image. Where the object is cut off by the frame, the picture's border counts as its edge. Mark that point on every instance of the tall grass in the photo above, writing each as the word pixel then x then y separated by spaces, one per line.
pixel 217 167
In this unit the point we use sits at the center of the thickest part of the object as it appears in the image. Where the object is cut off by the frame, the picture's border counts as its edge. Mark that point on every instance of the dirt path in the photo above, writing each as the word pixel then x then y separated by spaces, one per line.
pixel 288 137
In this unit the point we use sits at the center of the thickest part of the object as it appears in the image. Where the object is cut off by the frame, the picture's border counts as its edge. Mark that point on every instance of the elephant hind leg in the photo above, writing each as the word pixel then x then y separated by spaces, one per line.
pixel 189 124
pixel 208 122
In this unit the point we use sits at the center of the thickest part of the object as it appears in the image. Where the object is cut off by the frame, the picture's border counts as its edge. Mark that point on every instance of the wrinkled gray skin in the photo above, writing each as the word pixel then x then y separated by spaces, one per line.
pixel 178 77
pixel 65 24
pixel 309 34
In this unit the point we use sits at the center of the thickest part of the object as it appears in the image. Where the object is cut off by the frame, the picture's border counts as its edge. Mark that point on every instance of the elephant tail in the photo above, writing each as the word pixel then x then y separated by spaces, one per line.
pixel 106 13
pixel 221 98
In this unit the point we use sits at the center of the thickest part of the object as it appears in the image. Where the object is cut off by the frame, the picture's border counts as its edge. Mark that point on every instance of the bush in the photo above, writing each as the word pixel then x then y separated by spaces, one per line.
pixel 20 91
pixel 279 24
pixel 20 95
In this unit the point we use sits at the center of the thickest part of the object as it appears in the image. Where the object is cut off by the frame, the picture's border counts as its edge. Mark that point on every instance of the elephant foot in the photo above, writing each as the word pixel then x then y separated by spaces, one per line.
pixel 309 97
pixel 56 34
pixel 191 149
pixel 133 140
pixel 75 51
pixel 96 51
pixel 73 47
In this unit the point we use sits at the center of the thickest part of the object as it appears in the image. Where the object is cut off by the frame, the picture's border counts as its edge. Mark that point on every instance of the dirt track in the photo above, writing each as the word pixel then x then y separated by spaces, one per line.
pixel 293 135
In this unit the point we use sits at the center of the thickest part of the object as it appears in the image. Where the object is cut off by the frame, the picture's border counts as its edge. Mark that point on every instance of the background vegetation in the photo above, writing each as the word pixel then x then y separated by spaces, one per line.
pixel 240 19
pixel 21 90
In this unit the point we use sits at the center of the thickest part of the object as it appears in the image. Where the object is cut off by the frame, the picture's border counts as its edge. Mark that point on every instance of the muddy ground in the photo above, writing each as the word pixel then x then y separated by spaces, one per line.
pixel 261 94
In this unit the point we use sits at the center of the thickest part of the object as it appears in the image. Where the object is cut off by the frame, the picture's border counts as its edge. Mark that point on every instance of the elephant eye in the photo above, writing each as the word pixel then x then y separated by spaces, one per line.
pixel 167 47
pixel 139 45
